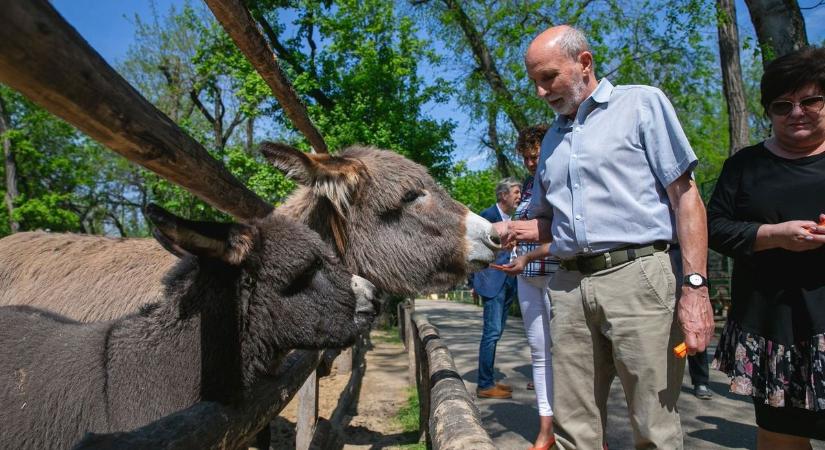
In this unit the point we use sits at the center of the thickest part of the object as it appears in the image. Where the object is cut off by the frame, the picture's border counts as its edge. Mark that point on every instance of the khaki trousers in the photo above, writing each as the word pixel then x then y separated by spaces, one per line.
pixel 618 321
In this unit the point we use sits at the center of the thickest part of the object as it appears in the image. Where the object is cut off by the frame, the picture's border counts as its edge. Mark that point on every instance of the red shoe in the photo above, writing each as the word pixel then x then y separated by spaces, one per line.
pixel 546 446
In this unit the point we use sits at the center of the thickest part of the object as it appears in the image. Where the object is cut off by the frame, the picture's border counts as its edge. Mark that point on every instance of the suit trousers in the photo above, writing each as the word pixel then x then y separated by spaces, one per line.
pixel 495 317
pixel 618 321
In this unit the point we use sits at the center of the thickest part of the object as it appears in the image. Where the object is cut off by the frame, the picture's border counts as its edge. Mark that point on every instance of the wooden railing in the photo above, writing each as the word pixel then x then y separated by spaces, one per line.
pixel 448 416
pixel 212 425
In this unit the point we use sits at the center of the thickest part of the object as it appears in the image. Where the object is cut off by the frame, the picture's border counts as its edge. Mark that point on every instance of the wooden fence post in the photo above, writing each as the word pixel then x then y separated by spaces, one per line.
pixel 343 363
pixel 307 412
pixel 409 327
pixel 402 323
pixel 423 384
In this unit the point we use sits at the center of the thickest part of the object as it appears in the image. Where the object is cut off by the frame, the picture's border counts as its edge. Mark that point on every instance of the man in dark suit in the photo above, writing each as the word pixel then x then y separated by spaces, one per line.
pixel 497 291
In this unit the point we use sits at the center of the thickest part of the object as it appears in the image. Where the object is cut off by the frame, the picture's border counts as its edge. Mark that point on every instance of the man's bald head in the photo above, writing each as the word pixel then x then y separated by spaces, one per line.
pixel 565 38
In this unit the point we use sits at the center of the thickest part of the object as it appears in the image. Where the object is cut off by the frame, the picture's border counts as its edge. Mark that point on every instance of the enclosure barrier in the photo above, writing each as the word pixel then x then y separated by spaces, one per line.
pixel 451 418
pixel 212 425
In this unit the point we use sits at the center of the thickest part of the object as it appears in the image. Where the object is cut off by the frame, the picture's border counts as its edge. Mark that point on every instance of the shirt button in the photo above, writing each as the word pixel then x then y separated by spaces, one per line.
pixel 578 217
pixel 574 156
pixel 576 186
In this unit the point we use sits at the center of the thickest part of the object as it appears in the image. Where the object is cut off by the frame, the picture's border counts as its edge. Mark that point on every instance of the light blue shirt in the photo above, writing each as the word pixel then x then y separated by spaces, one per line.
pixel 602 175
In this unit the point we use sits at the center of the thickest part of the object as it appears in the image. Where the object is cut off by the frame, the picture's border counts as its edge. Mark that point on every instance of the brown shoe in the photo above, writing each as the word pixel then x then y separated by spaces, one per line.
pixel 493 392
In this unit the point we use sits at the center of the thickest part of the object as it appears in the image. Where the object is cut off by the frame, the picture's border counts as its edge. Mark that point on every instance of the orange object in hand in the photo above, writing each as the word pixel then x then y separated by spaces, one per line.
pixel 680 350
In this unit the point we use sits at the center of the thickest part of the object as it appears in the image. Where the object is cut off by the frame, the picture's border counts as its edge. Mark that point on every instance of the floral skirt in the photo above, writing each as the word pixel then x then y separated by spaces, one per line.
pixel 773 374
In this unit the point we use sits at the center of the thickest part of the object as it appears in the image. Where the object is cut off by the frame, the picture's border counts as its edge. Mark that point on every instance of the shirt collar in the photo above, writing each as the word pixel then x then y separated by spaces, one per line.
pixel 504 217
pixel 602 92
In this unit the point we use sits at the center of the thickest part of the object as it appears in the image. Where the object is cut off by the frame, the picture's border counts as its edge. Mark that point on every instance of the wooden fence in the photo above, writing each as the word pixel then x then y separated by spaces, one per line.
pixel 449 418
pixel 212 425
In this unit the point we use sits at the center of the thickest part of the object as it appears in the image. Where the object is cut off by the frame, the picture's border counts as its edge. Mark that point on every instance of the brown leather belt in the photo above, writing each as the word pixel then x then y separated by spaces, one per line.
pixel 588 264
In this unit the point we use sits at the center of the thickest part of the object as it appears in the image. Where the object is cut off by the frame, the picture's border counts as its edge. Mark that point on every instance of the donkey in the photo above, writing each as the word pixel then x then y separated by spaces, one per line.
pixel 284 287
pixel 386 217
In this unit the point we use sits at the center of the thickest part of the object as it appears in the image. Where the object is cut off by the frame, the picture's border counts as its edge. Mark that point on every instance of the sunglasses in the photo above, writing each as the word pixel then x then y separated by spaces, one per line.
pixel 809 105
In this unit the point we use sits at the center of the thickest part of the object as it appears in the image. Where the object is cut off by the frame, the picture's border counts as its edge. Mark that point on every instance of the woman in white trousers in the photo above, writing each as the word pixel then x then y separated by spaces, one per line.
pixel 534 267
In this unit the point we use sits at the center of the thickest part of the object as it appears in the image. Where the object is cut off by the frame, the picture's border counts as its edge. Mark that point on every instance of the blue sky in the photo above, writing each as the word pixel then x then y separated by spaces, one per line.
pixel 108 25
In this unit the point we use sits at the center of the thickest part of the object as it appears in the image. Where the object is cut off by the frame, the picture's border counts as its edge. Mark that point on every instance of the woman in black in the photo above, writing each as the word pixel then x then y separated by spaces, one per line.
pixel 767 213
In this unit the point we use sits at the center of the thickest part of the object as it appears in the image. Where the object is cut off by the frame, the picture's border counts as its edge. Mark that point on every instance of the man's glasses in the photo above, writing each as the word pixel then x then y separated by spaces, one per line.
pixel 809 105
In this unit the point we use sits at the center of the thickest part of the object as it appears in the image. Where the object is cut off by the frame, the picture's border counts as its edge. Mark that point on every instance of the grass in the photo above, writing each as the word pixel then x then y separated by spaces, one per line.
pixel 407 417
pixel 386 335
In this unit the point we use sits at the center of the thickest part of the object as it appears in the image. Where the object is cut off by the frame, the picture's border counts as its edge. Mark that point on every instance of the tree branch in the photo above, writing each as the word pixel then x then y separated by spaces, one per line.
pixel 193 95
pixel 285 54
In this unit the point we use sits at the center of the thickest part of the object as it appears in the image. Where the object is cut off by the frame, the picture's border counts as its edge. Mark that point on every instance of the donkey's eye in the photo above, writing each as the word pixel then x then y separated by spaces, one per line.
pixel 411 195
pixel 304 279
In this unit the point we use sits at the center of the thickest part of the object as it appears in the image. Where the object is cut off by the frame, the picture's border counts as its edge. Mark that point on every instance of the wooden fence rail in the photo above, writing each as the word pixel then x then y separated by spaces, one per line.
pixel 212 425
pixel 450 418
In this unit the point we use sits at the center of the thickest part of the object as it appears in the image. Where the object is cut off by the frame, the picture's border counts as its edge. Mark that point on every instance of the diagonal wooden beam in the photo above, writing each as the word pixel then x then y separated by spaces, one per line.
pixel 240 26
pixel 44 58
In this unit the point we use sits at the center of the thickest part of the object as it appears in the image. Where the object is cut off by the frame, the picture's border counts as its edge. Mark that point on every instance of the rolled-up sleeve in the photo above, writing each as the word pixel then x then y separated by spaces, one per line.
pixel 726 234
pixel 668 150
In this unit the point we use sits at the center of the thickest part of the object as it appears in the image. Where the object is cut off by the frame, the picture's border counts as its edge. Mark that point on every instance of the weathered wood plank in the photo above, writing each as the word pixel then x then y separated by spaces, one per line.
pixel 240 26
pixel 307 416
pixel 45 59
pixel 454 422
pixel 210 425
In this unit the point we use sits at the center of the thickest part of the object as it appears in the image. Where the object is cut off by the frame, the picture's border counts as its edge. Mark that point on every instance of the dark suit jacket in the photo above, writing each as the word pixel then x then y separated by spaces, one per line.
pixel 489 282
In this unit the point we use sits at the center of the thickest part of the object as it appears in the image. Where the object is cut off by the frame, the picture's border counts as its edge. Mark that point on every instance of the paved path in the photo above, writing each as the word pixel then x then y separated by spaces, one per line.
pixel 725 422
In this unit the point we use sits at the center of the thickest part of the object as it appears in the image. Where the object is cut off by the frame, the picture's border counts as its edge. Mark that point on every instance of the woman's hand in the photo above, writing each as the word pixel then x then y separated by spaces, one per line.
pixel 513 268
pixel 794 235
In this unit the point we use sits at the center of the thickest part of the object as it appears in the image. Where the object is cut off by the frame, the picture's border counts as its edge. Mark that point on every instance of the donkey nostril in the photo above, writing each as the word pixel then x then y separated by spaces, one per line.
pixel 494 237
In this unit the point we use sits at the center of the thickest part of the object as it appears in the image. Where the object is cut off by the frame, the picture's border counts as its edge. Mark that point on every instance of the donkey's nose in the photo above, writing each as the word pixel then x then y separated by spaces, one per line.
pixel 494 237
pixel 364 295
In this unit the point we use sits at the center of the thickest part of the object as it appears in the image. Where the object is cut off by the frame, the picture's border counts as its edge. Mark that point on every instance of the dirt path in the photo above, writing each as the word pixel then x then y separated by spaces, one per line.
pixel 372 424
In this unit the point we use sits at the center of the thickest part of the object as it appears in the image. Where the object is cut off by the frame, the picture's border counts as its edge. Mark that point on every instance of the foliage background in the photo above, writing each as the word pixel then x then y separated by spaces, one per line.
pixel 371 72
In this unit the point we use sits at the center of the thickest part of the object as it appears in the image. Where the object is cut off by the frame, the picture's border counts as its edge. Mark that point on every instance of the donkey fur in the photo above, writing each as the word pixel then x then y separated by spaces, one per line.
pixel 389 220
pixel 279 284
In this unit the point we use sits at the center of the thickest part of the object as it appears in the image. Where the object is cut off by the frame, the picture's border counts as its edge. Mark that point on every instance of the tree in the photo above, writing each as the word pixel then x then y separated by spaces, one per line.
pixel 475 189
pixel 732 83
pixel 357 64
pixel 9 164
pixel 656 42
pixel 779 26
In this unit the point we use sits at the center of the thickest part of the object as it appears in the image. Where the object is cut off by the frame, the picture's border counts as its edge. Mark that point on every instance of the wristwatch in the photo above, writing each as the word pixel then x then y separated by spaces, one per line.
pixel 695 280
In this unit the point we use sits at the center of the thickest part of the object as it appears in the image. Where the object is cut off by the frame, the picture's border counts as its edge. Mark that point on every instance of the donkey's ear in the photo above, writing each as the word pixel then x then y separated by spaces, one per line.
pixel 335 177
pixel 228 242
pixel 295 164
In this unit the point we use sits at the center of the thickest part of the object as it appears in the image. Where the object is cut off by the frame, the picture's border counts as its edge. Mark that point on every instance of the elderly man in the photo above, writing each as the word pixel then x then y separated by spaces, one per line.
pixel 497 291
pixel 614 195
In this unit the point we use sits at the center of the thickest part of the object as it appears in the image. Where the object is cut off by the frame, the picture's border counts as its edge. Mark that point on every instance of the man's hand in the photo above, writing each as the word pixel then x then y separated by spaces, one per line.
pixel 696 318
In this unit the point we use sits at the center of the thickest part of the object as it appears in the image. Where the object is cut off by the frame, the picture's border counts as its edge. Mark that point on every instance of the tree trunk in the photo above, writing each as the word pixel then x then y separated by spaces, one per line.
pixel 779 27
pixel 734 86
pixel 250 134
pixel 487 65
pixel 502 162
pixel 11 167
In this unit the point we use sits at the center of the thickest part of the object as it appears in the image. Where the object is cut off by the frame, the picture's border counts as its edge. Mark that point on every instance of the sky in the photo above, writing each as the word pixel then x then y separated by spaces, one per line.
pixel 109 26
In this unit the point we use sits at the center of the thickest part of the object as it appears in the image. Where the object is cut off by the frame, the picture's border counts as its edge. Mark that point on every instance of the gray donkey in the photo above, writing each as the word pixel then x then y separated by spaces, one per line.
pixel 385 215
pixel 282 287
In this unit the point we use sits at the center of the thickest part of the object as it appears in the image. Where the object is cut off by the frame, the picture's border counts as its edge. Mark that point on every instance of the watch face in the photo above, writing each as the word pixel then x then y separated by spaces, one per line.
pixel 695 279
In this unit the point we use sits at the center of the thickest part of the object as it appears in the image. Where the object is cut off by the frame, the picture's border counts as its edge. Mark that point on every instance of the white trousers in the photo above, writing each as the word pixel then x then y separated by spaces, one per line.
pixel 536 312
